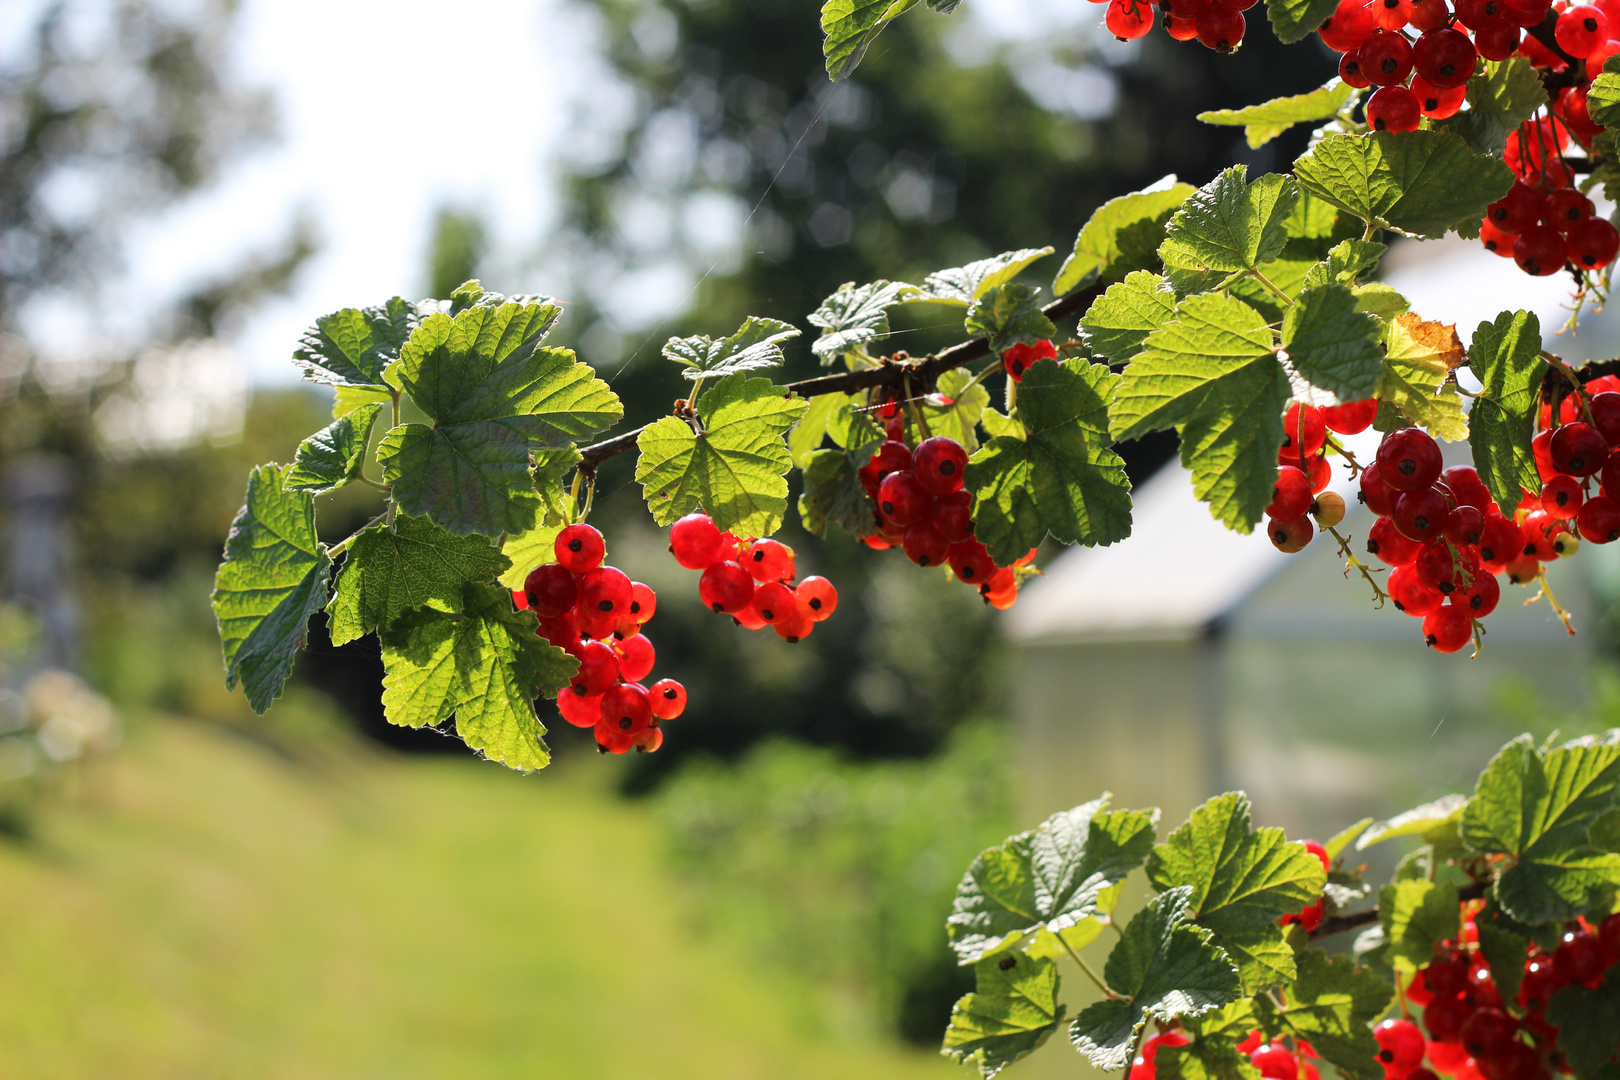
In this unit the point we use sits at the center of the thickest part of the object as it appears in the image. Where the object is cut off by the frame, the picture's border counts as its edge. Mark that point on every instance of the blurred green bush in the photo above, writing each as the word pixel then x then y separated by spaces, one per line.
pixel 844 871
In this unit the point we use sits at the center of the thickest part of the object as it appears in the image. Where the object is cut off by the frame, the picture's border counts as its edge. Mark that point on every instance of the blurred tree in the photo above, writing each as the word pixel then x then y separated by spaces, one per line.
pixel 459 245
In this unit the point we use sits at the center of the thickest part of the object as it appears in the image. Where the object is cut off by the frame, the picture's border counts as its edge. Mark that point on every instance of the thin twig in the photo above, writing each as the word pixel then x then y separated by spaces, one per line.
pixel 1085 967
pixel 1355 920
pixel 887 373
pixel 1353 563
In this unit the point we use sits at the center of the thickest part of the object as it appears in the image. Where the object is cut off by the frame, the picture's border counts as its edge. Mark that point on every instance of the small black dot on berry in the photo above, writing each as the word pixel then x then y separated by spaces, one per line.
pixel 576 545
pixel 625 723
pixel 815 604
pixel 1386 1056
pixel 759 556
pixel 605 605
pixel 792 640
pixel 768 615
pixel 888 508
pixel 946 468
pixel 719 607
pixel 669 695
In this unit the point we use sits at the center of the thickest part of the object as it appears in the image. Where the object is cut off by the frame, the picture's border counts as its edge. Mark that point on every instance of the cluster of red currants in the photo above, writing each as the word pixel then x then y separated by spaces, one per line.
pixel 1310 916
pixel 1217 24
pixel 1303 472
pixel 1544 233
pixel 1472 1035
pixel 751 580
pixel 1274 1060
pixel 920 506
pixel 596 614
pixel 1573 456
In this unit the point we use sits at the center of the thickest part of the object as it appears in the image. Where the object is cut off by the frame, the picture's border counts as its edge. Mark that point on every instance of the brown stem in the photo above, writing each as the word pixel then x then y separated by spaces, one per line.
pixel 1543 32
pixel 889 372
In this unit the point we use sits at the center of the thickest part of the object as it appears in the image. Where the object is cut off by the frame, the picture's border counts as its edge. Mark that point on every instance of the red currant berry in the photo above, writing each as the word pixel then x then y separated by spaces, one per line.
pixel 773 600
pixel 1529 13
pixel 1374 494
pixel 1447 629
pixel 1608 476
pixel 1561 497
pixel 1128 19
pixel 1575 112
pixel 768 560
pixel 1392 14
pixel 579 548
pixel 1394 108
pixel 636 658
pixel 726 587
pixel 1020 358
pixel 1411 594
pixel 971 563
pixel 1499 542
pixel 1350 70
pixel 1179 30
pixel 793 625
pixel 1420 515
pixel 1580 959
pixel 1541 450
pixel 1565 207
pixel 1578 449
pixel 695 542
pixel 1221 28
pixel 1605 408
pixel 1599 520
pixel 563 632
pixel 1465 525
pixel 1466 488
pixel 1435 566
pixel 1386 58
pixel 1385 542
pixel 1481 14
pixel 1444 1018
pixel 818 597
pixel 580 711
pixel 903 500
pixel 1487 1032
pixel 953 516
pixel 611 740
pixel 749 619
pixel 938 464
pixel 1538 531
pixel 925 545
pixel 1592 243
pixel 1400 1046
pixel 1304 432
pixel 550 590
pixel 891 457
pixel 1409 460
pixel 1480 597
pixel 1495 240
pixel 1351 418
pixel 1429 15
pixel 1290 534
pixel 643 602
pixel 1518 210
pixel 1349 25
pixel 598 669
pixel 1291 494
pixel 1581 30
pixel 1497 43
pixel 1444 57
pixel 667 699
pixel 625 706
pixel 1437 102
pixel 606 590
pixel 1540 250
pixel 1320 472
pixel 1001 591
pixel 1275 1062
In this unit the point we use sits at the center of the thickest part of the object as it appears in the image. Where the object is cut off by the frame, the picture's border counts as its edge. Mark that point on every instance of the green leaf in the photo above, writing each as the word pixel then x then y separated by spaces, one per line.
pixel 756 345
pixel 1262 123
pixel 1119 320
pixel 333 455
pixel 1122 236
pixel 1334 346
pixel 953 411
pixel 415 564
pixel 1345 263
pixel 1445 812
pixel 1061 479
pixel 833 492
pixel 1229 224
pixel 1587 1021
pixel 1052 878
pixel 735 470
pixel 1213 1053
pixel 1603 97
pixel 1333 1005
pixel 850 26
pixel 1500 98
pixel 494 397
pixel 1506 359
pixel 1415 915
pixel 1415 388
pixel 999 425
pixel 1381 302
pixel 1313 219
pixel 1011 1013
pixel 1604 832
pixel 353 347
pixel 965 284
pixel 1241 880
pixel 1211 373
pixel 1009 315
pixel 1165 966
pixel 272 580
pixel 805 438
pixel 1345 837
pixel 1293 20
pixel 1503 948
pixel 346 399
pixel 856 315
pixel 1535 807
pixel 483 664
pixel 852 426
pixel 1423 183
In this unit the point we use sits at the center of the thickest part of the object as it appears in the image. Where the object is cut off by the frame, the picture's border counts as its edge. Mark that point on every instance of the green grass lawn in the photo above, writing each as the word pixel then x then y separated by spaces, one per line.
pixel 210 909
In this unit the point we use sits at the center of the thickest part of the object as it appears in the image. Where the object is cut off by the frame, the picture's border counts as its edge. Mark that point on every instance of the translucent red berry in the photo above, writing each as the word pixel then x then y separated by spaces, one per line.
pixel 1409 459
pixel 1578 449
pixel 1581 30
pixel 579 548
pixel 1498 42
pixel 667 698
pixel 773 600
pixel 769 560
pixel 1221 27
pixel 636 658
pixel 1020 358
pixel 1599 520
pixel 726 587
pixel 971 563
pixel 1290 534
pixel 1592 243
pixel 924 544
pixel 1291 495
pixel 818 597
pixel 1420 515
pixel 625 707
pixel 1411 594
pixel 605 589
pixel 1540 250
pixel 577 710
pixel 695 541
pixel 1519 209
pixel 1444 57
pixel 938 464
pixel 1579 958
pixel 1565 207
pixel 1480 597
pixel 1447 629
pixel 794 625
pixel 1386 58
pixel 1304 431
pixel 643 602
pixel 1562 496
pixel 1128 19
pixel 1438 102
pixel 1275 1062
pixel 551 589
pixel 903 500
pixel 598 668
pixel 1385 542
pixel 1350 70
pixel 1400 1046
pixel 953 515
pixel 1392 14
pixel 1374 493
pixel 1349 25
pixel 1465 525
pixel 1351 418
pixel 1605 408
pixel 1481 14
pixel 1499 542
